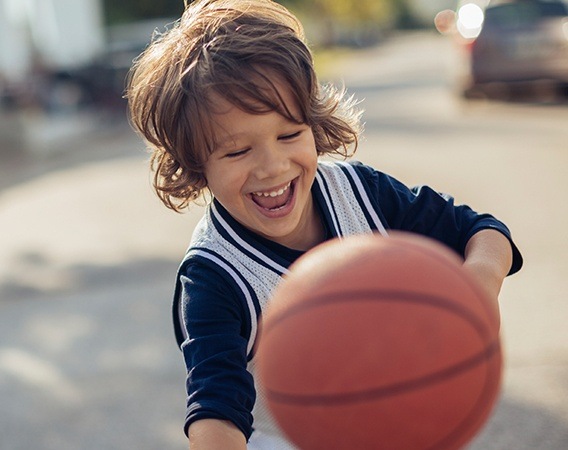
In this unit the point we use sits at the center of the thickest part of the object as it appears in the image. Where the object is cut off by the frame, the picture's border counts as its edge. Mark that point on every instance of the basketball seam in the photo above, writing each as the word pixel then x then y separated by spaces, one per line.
pixel 385 296
pixel 385 391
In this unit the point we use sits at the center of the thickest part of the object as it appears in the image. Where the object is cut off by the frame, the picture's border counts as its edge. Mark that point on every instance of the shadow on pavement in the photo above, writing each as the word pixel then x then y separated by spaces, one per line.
pixel 522 426
pixel 79 278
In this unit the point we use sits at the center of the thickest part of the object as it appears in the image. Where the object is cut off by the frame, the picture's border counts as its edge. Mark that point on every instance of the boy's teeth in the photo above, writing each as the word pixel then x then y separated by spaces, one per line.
pixel 273 193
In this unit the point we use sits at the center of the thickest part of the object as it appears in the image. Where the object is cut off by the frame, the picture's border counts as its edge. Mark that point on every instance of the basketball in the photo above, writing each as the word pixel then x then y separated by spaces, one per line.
pixel 377 342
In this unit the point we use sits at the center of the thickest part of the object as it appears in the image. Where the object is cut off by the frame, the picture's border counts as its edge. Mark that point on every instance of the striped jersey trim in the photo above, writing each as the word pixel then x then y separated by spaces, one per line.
pixel 364 197
pixel 327 199
pixel 245 246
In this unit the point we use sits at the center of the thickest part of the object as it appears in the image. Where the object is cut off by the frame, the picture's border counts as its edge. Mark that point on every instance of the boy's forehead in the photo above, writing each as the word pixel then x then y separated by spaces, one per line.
pixel 232 124
pixel 226 115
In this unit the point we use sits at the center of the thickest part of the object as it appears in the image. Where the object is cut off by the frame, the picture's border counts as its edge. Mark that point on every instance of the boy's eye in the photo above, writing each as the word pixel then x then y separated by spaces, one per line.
pixel 237 153
pixel 290 136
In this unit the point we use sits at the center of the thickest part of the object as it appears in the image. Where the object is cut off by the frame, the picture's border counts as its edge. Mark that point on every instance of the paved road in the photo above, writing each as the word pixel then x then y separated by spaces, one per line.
pixel 87 358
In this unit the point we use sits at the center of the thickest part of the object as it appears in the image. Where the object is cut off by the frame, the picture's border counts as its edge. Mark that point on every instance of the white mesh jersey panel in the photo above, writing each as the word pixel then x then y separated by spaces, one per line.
pixel 349 212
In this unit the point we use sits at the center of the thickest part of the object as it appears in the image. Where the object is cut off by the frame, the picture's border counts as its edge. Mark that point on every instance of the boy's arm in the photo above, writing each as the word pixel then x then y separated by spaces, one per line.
pixel 214 434
pixel 488 256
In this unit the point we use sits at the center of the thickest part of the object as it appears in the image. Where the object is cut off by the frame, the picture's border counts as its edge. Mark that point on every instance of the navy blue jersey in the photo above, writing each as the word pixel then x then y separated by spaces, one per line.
pixel 229 273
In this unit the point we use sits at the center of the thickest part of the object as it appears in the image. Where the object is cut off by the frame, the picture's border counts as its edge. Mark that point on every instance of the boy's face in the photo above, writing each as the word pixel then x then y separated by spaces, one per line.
pixel 262 172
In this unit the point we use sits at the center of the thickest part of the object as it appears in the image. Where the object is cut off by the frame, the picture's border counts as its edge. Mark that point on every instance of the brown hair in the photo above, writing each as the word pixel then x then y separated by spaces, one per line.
pixel 228 48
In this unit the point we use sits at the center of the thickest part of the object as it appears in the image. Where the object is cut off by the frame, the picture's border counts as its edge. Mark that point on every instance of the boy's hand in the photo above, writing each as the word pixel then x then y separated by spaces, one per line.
pixel 213 434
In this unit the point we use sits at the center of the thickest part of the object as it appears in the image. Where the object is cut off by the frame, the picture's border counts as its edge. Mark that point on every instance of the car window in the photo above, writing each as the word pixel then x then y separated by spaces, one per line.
pixel 522 13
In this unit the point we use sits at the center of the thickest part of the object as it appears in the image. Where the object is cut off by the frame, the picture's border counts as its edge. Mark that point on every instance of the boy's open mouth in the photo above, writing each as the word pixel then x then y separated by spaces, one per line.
pixel 276 199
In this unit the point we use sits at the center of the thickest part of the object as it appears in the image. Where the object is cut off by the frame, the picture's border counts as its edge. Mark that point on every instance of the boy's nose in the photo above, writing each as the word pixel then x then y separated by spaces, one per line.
pixel 272 162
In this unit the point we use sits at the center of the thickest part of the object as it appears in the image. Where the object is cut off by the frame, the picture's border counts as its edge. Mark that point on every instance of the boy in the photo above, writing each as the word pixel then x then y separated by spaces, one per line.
pixel 230 104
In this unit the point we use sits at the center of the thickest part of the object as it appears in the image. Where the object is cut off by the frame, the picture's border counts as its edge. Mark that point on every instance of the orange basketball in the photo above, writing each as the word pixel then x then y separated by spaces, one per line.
pixel 380 343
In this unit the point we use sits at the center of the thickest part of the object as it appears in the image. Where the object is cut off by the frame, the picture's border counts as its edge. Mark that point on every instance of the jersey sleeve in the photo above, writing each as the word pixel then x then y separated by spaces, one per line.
pixel 423 210
pixel 214 347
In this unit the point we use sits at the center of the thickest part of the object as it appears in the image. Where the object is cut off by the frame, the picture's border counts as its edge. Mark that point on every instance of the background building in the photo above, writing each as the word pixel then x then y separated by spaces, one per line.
pixel 51 34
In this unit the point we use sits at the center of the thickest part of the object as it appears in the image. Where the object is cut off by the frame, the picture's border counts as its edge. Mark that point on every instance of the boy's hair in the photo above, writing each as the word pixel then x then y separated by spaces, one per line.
pixel 230 48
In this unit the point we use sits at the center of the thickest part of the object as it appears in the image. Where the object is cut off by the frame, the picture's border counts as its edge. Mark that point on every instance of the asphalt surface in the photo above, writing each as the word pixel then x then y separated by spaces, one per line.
pixel 87 355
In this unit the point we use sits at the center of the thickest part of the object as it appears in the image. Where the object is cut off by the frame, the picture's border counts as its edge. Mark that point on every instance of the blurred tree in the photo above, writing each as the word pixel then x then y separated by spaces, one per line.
pixel 346 11
pixel 405 15
pixel 361 19
pixel 357 11
pixel 354 11
pixel 125 11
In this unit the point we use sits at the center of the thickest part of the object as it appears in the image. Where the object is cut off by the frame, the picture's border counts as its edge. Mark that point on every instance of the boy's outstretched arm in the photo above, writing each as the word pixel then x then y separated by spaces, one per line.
pixel 488 256
pixel 213 434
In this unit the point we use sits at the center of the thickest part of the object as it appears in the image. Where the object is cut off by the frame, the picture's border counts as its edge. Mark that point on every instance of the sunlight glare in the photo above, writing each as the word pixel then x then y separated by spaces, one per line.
pixel 470 20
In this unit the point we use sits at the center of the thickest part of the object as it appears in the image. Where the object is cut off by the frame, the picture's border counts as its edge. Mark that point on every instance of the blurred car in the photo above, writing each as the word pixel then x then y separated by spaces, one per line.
pixel 513 47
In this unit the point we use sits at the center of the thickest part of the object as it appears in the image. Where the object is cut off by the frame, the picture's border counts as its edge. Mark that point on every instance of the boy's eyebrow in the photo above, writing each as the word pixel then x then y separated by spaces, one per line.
pixel 230 139
pixel 227 140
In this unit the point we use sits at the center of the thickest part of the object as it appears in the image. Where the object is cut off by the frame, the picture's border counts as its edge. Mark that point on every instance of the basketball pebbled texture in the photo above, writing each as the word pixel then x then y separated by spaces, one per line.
pixel 374 342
